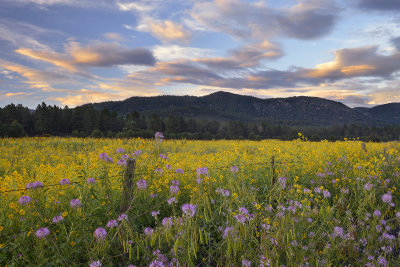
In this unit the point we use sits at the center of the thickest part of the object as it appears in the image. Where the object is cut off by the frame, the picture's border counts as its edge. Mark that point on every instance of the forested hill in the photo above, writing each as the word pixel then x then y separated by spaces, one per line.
pixel 387 112
pixel 225 106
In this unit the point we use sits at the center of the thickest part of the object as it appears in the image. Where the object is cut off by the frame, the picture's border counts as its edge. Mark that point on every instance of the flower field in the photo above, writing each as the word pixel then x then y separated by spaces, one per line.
pixel 199 203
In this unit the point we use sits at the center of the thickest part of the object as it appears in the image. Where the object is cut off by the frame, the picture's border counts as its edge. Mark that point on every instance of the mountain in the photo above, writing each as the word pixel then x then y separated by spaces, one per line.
pixel 388 112
pixel 224 106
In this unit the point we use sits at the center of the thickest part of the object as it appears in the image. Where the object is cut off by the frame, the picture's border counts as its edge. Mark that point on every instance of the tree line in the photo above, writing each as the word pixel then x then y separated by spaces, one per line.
pixel 85 121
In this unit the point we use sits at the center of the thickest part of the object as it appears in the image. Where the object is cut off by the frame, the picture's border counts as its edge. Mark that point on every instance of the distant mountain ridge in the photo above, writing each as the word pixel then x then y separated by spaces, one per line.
pixel 299 110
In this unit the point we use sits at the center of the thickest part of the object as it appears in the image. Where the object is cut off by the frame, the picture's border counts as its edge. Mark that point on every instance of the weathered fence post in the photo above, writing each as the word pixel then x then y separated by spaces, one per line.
pixel 364 147
pixel 127 190
pixel 273 169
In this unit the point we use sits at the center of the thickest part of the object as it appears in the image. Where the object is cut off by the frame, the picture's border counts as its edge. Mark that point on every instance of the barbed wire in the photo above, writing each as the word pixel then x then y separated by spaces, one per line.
pixel 142 173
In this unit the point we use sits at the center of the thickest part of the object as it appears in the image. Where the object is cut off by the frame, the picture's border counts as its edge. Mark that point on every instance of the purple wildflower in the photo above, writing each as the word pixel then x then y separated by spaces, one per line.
pixel 179 171
pixel 95 264
pixel 234 169
pixel 377 213
pixel 109 160
pixel 122 217
pixel 163 156
pixel 282 182
pixel 246 263
pixel 125 157
pixel 167 221
pixel 24 200
pixel 174 189
pixel 159 170
pixel 317 190
pixel 363 241
pixel 120 150
pixel 121 162
pixel 168 166
pixel 137 153
pixel 112 223
pixel 387 198
pixel 344 190
pixel 100 234
pixel 171 200
pixel 382 261
pixel 294 243
pixel 159 136
pixel 326 193
pixel 243 210
pixel 141 184
pixel 189 209
pixel 34 185
pixel 58 219
pixel 103 156
pixel 155 213
pixel 75 203
pixel 148 231
pixel 368 187
pixel 90 181
pixel 175 182
pixel 202 171
pixel 240 218
pixel 338 231
pixel 321 174
pixel 226 231
pixel 42 232
pixel 157 263
pixel 64 181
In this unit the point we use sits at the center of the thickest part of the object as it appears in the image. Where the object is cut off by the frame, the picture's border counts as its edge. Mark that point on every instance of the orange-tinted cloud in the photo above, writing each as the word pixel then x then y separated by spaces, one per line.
pixel 168 31
pixel 357 69
pixel 77 58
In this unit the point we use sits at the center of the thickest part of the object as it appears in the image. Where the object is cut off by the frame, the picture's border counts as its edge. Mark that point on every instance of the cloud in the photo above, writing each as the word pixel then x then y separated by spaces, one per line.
pixel 356 62
pixel 175 52
pixel 246 56
pixel 112 90
pixel 140 6
pixel 166 31
pixel 35 79
pixel 78 58
pixel 76 3
pixel 113 36
pixel 24 34
pixel 84 96
pixel 242 69
pixel 306 20
pixel 396 42
pixel 383 5
pixel 17 94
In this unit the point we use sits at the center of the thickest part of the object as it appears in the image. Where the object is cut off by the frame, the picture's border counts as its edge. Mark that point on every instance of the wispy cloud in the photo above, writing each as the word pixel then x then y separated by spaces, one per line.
pixel 167 31
pixel 257 20
pixel 24 34
pixel 382 5
pixel 78 58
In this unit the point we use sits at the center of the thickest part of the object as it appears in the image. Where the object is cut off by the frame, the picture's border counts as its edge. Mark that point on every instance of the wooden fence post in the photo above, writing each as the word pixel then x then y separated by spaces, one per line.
pixel 273 169
pixel 127 190
pixel 364 147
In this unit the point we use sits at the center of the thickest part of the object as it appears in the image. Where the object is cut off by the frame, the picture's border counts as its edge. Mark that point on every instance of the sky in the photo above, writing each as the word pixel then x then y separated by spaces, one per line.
pixel 72 52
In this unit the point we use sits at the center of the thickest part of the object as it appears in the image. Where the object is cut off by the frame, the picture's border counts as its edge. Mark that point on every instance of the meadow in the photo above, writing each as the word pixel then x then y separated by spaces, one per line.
pixel 199 203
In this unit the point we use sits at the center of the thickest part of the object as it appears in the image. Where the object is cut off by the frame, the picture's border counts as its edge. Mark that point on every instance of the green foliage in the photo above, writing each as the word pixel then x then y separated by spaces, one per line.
pixel 16 129
pixel 216 116
pixel 96 133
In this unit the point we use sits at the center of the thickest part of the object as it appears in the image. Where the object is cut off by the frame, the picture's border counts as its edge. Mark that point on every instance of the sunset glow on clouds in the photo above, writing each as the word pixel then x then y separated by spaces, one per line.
pixel 68 52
